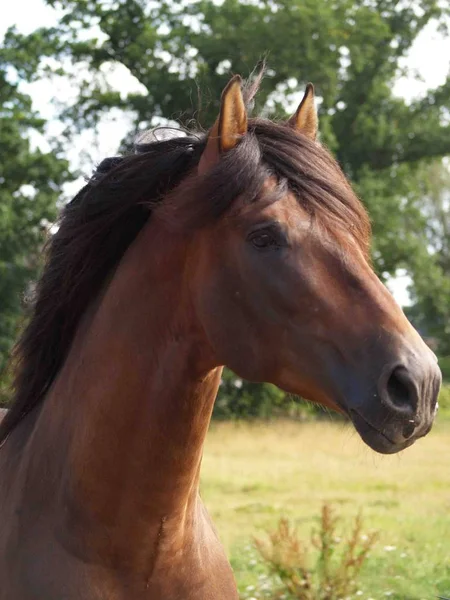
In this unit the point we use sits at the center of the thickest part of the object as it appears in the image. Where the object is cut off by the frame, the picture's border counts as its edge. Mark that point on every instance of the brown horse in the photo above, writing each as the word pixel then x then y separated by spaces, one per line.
pixel 245 247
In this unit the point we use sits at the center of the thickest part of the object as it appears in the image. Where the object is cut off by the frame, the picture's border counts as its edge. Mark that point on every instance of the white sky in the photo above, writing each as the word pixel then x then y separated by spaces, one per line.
pixel 429 58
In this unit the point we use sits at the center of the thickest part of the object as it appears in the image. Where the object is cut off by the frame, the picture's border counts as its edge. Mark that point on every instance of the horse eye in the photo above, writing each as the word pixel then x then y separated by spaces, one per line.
pixel 263 239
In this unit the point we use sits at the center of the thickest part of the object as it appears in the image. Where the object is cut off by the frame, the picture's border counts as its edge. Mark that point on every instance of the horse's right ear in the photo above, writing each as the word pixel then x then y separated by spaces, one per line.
pixel 305 119
pixel 230 125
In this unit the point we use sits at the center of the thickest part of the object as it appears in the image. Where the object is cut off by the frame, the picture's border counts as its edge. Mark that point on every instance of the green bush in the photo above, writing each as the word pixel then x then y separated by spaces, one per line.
pixel 240 399
pixel 6 391
pixel 444 364
pixel 444 401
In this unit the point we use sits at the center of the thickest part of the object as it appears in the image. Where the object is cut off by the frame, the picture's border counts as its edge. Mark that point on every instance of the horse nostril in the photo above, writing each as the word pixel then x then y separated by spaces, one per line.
pixel 409 429
pixel 401 397
pixel 401 391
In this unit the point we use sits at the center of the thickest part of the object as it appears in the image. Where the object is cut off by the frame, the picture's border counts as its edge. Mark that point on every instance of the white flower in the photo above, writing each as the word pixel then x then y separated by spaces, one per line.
pixel 390 548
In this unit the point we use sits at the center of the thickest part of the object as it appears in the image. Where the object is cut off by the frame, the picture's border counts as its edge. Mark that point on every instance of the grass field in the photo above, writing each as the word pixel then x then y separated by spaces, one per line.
pixel 255 473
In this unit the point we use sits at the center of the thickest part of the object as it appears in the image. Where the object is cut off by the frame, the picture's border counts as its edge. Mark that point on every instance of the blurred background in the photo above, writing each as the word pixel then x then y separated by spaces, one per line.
pixel 80 79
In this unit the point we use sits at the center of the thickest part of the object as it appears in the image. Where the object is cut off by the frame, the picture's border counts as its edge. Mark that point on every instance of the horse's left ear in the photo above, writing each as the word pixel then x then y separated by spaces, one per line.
pixel 230 125
pixel 305 118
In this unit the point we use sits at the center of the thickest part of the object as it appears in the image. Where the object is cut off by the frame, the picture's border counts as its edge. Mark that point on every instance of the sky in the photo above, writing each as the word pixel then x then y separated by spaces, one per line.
pixel 429 59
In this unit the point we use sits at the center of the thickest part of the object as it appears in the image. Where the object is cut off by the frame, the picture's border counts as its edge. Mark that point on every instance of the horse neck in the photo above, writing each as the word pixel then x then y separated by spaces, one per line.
pixel 133 402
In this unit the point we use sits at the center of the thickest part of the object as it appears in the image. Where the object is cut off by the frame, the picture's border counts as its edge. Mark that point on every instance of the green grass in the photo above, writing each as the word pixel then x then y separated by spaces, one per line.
pixel 255 473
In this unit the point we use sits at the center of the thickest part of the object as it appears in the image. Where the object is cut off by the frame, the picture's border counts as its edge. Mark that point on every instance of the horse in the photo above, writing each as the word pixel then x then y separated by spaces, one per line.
pixel 244 246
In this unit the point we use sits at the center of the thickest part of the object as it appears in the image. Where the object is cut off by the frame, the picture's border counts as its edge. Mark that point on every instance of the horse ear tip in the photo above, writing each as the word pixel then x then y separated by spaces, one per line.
pixel 234 85
pixel 236 79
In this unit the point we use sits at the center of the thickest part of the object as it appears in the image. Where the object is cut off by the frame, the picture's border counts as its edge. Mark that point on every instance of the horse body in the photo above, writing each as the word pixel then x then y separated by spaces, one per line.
pixel 100 462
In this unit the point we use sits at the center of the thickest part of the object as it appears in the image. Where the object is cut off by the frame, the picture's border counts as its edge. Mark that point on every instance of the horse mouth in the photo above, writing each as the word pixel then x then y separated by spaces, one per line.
pixel 375 438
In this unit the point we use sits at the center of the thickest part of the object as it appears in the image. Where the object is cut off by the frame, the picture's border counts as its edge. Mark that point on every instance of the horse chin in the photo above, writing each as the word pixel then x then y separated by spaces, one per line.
pixel 376 439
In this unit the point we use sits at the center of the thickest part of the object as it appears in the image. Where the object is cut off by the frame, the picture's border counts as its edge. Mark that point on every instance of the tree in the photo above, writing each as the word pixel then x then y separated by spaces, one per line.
pixel 431 282
pixel 30 185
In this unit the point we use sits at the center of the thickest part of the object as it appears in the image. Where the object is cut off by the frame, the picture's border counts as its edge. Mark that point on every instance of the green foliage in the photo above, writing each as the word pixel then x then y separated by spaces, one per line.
pixel 240 399
pixel 444 402
pixel 325 568
pixel 30 183
pixel 431 289
pixel 6 391
pixel 444 364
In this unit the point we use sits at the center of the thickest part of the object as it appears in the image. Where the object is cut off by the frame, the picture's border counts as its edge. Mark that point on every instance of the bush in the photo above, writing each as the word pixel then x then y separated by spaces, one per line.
pixel 444 364
pixel 240 399
pixel 444 401
pixel 325 568
pixel 6 390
